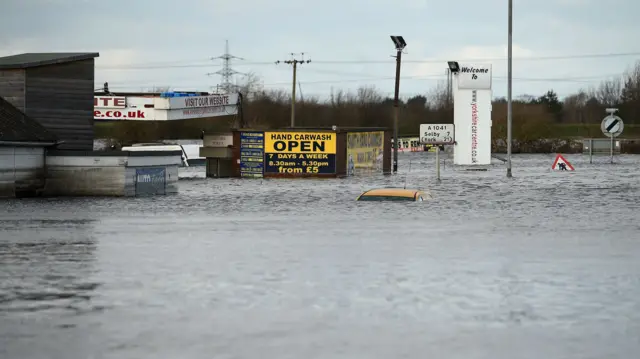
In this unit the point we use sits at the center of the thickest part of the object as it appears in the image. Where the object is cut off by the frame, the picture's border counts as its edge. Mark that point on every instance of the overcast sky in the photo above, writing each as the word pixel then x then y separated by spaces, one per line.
pixel 347 40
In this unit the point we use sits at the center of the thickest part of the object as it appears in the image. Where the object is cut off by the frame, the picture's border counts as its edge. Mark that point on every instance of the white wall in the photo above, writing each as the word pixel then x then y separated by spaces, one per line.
pixel 21 169
pixel 472 97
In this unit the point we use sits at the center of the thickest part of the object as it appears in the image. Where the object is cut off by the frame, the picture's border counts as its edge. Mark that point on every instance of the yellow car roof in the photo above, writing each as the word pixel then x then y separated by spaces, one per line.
pixel 394 192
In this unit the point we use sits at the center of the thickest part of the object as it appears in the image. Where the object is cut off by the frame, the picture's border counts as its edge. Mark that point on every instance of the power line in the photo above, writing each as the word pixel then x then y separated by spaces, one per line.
pixel 536 58
pixel 442 77
pixel 150 66
pixel 588 79
pixel 429 77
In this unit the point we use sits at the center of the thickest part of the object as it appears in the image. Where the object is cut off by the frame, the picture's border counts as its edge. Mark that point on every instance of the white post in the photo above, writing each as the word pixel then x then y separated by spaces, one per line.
pixel 509 87
pixel 437 163
pixel 590 150
pixel 611 148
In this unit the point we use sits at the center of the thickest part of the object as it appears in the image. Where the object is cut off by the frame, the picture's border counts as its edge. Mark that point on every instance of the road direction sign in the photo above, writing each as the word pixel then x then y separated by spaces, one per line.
pixel 437 133
pixel 612 126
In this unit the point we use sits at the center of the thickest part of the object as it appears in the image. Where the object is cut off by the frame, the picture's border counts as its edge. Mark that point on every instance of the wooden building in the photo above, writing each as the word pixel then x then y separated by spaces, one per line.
pixel 22 152
pixel 55 89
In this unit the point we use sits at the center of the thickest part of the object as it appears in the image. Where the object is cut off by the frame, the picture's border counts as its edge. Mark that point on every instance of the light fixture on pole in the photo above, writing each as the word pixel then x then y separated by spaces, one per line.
pixel 454 66
pixel 454 69
pixel 400 44
pixel 509 88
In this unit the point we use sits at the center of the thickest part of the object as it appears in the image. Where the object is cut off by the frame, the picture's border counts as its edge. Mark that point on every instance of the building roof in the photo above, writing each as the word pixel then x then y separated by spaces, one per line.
pixel 15 126
pixel 33 59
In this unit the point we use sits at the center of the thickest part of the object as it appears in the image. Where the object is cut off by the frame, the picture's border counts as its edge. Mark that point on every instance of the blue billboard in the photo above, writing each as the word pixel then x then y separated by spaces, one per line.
pixel 150 181
pixel 251 154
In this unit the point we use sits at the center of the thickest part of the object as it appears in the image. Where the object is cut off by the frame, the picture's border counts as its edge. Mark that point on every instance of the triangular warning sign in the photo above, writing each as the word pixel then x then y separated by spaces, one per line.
pixel 561 164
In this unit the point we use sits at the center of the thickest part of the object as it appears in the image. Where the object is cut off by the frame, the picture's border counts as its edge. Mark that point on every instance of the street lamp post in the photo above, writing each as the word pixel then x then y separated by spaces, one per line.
pixel 400 44
pixel 509 88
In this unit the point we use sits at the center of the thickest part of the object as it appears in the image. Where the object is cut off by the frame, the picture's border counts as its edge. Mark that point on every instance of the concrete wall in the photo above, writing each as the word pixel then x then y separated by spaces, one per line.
pixel 85 176
pixel 21 171
pixel 100 174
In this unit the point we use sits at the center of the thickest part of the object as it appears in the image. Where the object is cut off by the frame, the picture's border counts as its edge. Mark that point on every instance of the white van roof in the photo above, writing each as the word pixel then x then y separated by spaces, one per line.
pixel 152 147
pixel 190 152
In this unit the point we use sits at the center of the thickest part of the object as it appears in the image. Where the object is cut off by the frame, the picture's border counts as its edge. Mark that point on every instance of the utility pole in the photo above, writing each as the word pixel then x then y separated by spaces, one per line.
pixel 400 44
pixel 448 97
pixel 509 88
pixel 226 73
pixel 295 63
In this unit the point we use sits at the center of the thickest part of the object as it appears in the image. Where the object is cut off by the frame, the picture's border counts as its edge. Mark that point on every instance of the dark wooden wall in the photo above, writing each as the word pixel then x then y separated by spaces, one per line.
pixel 235 159
pixel 387 160
pixel 341 154
pixel 12 87
pixel 60 97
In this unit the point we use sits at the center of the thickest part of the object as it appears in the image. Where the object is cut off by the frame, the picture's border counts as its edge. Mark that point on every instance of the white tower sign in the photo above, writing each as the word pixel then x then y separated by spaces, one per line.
pixel 472 95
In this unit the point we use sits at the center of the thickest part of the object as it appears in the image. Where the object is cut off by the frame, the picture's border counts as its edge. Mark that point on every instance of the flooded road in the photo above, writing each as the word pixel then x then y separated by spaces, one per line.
pixel 545 265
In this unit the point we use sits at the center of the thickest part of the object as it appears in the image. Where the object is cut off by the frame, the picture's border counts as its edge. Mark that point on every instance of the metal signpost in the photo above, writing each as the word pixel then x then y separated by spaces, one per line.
pixel 612 127
pixel 437 134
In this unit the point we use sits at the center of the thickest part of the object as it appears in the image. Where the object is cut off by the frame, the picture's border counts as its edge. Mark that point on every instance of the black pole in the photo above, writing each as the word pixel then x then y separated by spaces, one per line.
pixel 395 112
pixel 240 111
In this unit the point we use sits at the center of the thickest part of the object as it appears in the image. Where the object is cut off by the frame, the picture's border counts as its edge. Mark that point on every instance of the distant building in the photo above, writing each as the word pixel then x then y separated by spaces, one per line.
pixel 165 106
pixel 22 152
pixel 55 89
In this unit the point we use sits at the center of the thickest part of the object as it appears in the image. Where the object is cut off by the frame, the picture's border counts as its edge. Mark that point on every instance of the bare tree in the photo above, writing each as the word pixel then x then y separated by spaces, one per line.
pixel 250 86
pixel 439 96
pixel 337 98
pixel 609 92
pixel 367 96
pixel 574 107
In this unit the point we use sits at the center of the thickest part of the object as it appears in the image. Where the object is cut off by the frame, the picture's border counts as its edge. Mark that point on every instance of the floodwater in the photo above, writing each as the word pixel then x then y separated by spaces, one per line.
pixel 545 265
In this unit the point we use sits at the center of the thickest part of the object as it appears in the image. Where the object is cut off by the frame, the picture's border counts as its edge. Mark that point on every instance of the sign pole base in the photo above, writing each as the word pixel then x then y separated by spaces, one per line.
pixel 611 149
pixel 438 164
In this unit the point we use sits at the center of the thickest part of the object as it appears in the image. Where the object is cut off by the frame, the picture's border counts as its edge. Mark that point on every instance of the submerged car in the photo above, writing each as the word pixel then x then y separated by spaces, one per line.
pixel 394 194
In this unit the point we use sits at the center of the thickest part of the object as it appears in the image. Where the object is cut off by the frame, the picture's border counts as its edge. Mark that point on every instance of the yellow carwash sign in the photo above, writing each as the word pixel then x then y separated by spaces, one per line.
pixel 364 152
pixel 300 153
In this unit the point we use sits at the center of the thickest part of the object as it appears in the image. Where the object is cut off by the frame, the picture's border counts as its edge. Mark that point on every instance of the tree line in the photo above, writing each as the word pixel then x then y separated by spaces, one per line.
pixel 536 118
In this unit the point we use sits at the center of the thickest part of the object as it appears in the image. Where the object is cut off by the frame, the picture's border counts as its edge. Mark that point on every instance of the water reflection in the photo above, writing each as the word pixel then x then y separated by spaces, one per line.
pixel 46 264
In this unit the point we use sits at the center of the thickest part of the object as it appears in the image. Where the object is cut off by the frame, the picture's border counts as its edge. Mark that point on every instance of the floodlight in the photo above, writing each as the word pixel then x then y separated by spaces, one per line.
pixel 399 42
pixel 453 66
